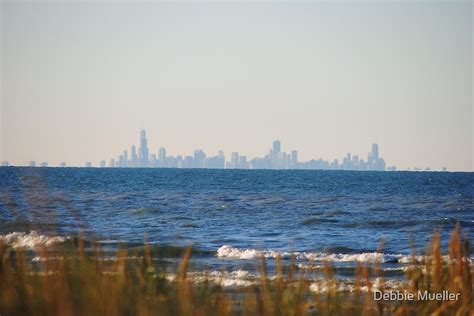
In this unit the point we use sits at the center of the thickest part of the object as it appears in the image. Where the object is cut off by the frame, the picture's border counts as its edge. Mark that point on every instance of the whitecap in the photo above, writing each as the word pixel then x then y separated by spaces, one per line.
pixel 227 251
pixel 31 240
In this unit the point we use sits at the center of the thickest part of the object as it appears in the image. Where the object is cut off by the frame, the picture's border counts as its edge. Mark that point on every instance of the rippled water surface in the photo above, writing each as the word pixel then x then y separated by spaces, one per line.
pixel 312 212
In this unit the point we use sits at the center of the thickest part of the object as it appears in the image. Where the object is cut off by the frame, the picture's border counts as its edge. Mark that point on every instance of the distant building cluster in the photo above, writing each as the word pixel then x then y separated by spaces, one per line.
pixel 142 158
pixel 275 159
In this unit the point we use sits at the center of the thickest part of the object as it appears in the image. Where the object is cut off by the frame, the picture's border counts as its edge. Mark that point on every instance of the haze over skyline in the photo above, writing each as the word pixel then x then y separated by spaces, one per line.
pixel 78 80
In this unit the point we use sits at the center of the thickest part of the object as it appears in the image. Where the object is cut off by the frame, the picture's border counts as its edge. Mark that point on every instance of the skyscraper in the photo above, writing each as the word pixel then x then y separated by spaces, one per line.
pixel 199 159
pixel 120 161
pixel 276 147
pixel 125 159
pixel 294 159
pixel 234 160
pixel 188 162
pixel 242 162
pixel 375 151
pixel 143 151
pixel 374 161
pixel 287 161
pixel 162 157
pixel 355 162
pixel 134 158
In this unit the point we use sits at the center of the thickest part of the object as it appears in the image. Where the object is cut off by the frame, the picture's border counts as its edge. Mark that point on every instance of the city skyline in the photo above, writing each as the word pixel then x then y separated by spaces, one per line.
pixel 78 79
pixel 275 159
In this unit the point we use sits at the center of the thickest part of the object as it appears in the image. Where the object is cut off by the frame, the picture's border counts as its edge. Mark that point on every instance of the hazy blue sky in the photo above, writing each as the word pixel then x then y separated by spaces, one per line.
pixel 80 79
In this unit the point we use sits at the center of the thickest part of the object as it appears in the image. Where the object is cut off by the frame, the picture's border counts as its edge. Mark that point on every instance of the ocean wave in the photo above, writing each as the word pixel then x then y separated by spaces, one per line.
pixel 31 240
pixel 227 251
pixel 230 252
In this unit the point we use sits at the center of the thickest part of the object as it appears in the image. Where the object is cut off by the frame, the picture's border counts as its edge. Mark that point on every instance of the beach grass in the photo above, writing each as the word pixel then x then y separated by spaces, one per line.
pixel 85 284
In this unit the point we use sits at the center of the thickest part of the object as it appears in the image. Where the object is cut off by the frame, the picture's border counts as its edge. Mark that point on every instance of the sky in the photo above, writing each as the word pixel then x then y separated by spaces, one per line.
pixel 80 79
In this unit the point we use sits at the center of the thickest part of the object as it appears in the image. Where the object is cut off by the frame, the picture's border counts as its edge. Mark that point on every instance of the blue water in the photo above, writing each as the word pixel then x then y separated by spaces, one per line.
pixel 329 211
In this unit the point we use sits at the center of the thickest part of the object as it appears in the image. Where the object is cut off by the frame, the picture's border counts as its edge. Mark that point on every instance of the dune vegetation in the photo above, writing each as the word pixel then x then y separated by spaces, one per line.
pixel 86 284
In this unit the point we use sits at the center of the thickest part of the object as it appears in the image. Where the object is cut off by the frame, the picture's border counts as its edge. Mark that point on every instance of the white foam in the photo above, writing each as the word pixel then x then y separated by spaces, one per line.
pixel 227 251
pixel 238 278
pixel 246 254
pixel 323 286
pixel 411 259
pixel 303 266
pixel 230 252
pixel 338 257
pixel 31 240
pixel 397 268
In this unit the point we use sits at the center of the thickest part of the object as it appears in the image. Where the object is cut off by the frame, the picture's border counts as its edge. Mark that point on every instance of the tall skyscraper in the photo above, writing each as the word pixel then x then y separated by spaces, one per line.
pixel 276 147
pixel 375 151
pixel 234 160
pixel 143 151
pixel 374 162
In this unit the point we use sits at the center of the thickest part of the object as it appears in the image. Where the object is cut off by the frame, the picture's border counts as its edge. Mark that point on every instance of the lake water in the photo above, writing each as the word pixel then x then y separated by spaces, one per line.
pixel 231 217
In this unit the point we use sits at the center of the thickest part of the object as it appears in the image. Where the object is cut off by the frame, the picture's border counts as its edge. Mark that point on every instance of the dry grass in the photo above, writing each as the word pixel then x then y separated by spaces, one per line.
pixel 85 284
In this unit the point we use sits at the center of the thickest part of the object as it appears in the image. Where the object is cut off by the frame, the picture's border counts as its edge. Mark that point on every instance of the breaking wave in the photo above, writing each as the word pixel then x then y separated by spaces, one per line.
pixel 230 252
pixel 31 240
